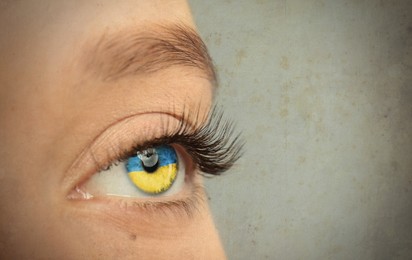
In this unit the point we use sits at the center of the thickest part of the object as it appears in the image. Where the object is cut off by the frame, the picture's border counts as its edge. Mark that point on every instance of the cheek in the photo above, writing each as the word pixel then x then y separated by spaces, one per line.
pixel 51 231
pixel 30 228
pixel 144 237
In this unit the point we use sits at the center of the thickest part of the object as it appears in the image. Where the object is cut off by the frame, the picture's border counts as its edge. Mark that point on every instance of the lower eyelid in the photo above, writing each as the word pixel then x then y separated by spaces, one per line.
pixel 186 204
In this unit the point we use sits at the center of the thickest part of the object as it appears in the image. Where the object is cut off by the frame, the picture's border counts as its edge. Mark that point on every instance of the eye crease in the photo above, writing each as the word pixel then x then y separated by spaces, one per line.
pixel 153 170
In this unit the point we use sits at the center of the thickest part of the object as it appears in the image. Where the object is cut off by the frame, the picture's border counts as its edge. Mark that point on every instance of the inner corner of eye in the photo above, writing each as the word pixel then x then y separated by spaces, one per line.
pixel 153 172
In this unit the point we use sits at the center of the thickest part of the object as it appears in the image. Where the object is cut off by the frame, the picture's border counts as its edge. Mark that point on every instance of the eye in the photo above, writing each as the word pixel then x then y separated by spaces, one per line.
pixel 155 171
pixel 153 158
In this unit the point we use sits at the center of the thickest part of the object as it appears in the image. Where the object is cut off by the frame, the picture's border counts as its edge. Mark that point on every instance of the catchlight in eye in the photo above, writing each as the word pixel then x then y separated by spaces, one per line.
pixel 153 170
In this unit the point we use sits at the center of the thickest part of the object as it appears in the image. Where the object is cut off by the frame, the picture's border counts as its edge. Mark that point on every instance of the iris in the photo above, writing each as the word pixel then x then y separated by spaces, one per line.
pixel 153 170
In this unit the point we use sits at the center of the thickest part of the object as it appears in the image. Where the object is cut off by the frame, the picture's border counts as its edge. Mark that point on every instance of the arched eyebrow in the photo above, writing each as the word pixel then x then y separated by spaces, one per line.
pixel 157 48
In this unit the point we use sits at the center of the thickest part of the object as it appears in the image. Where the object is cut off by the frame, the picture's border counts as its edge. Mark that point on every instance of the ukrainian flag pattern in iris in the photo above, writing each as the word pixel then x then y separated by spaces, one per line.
pixel 162 178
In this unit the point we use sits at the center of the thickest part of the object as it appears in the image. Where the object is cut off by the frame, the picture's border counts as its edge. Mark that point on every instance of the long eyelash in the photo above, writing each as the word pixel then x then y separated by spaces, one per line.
pixel 214 147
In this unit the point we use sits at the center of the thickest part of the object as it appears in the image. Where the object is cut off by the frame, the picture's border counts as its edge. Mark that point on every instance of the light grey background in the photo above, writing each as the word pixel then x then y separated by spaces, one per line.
pixel 322 91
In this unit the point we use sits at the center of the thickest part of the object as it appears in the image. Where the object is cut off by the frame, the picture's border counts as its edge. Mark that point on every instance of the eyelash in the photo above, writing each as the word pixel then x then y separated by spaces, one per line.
pixel 213 147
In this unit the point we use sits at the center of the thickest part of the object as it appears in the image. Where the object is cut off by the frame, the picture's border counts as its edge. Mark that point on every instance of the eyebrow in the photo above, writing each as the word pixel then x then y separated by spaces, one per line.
pixel 129 53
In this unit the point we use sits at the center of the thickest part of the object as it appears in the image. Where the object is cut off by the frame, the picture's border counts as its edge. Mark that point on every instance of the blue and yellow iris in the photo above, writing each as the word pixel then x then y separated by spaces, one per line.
pixel 162 178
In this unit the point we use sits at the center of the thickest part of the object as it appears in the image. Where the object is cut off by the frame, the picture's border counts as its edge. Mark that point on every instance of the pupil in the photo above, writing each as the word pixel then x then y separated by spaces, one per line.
pixel 150 169
pixel 150 160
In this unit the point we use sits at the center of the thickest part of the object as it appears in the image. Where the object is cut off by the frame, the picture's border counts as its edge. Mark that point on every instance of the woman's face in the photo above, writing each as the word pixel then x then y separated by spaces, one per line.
pixel 82 82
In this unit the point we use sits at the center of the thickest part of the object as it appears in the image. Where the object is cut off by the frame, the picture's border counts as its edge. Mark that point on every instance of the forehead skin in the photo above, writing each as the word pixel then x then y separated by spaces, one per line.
pixel 51 108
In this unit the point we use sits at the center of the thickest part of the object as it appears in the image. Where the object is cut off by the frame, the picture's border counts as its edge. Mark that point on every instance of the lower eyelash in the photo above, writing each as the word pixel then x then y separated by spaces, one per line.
pixel 189 205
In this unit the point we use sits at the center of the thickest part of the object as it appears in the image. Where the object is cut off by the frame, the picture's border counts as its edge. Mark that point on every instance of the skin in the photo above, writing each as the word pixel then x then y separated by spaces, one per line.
pixel 51 112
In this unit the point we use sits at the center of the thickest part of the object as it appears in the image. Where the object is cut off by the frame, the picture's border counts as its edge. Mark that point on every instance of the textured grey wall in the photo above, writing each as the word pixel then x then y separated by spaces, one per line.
pixel 322 91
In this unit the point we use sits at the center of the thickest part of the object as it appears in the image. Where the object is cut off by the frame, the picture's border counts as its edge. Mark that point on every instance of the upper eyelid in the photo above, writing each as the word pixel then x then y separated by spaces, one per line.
pixel 99 149
pixel 174 113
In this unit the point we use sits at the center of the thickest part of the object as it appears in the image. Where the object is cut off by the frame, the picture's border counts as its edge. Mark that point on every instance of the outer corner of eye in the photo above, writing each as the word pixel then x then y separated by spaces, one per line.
pixel 154 172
